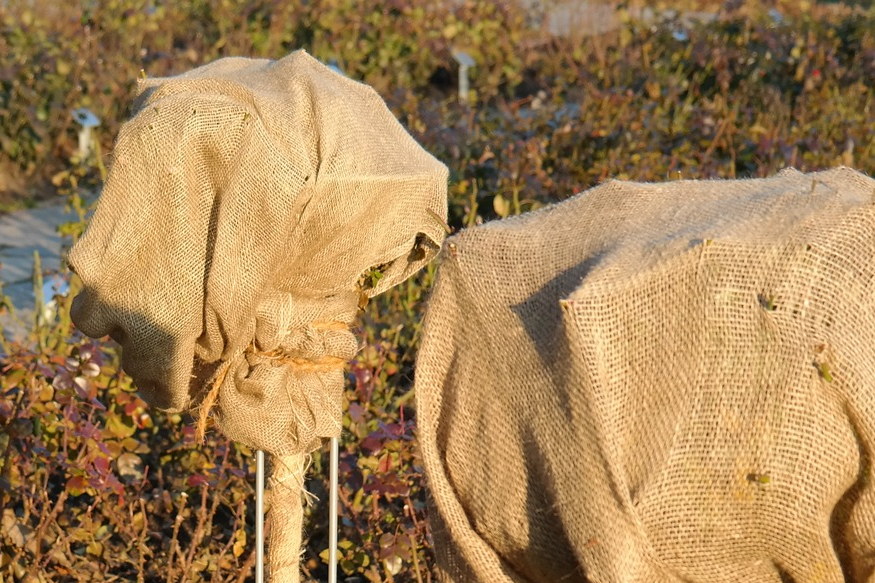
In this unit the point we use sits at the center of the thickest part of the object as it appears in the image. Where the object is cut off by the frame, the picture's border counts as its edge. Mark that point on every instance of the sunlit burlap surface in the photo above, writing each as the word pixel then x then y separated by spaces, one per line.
pixel 245 201
pixel 658 382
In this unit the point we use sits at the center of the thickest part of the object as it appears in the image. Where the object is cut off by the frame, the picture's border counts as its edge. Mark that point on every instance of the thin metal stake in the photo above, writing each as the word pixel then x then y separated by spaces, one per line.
pixel 332 514
pixel 465 62
pixel 259 516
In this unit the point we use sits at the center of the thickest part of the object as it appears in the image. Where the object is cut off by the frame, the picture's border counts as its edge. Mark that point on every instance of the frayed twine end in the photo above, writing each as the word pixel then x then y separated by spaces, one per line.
pixel 209 401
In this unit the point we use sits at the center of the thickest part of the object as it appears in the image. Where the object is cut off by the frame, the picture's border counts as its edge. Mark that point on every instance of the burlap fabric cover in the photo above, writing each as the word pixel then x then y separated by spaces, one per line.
pixel 658 382
pixel 245 201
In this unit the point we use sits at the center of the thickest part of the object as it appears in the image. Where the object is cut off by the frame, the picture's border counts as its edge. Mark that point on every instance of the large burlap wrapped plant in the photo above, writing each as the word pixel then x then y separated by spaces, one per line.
pixel 249 206
pixel 658 382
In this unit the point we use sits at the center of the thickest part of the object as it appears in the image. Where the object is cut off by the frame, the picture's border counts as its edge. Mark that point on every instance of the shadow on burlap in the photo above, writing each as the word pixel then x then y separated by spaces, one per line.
pixel 658 382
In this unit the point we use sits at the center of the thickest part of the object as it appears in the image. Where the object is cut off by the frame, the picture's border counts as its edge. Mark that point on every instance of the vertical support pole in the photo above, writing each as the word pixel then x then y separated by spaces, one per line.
pixel 465 62
pixel 259 516
pixel 332 512
pixel 287 493
pixel 463 84
pixel 84 144
pixel 86 120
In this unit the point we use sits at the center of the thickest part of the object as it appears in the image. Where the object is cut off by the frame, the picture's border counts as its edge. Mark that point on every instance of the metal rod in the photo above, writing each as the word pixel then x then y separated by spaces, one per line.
pixel 463 84
pixel 332 513
pixel 465 62
pixel 259 516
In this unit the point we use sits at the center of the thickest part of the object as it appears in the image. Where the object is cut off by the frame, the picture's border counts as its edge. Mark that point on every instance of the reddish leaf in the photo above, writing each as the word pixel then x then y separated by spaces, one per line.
pixel 197 480
pixel 76 485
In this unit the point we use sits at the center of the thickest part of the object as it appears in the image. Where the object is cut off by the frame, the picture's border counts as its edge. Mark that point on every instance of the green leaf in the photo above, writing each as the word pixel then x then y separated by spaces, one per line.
pixel 824 371
pixel 501 206
pixel 119 427
pixel 239 542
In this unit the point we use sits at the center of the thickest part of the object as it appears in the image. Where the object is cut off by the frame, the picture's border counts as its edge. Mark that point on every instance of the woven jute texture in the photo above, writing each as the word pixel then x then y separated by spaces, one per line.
pixel 249 206
pixel 245 201
pixel 286 518
pixel 658 382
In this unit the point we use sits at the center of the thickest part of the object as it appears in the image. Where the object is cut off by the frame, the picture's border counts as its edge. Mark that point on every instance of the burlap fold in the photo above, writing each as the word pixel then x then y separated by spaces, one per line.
pixel 658 382
pixel 249 204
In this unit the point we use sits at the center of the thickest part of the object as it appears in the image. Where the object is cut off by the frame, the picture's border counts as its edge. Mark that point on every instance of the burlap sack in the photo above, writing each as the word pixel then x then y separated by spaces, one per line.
pixel 658 382
pixel 246 200
pixel 250 206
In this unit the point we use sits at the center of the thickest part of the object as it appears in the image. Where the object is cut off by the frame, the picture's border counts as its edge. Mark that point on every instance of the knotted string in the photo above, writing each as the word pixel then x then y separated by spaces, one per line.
pixel 278 357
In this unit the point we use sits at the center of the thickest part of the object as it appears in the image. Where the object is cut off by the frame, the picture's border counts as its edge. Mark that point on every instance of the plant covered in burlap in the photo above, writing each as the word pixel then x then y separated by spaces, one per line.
pixel 250 207
pixel 658 382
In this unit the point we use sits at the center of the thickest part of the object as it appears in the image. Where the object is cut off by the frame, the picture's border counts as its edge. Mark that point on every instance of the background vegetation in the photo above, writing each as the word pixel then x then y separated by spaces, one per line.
pixel 96 486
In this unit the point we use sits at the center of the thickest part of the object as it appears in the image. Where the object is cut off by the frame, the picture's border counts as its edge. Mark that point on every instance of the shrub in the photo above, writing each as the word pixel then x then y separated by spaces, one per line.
pixel 95 485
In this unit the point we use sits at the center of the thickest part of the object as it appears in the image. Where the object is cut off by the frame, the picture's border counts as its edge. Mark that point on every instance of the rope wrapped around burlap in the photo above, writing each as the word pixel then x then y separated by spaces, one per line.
pixel 657 383
pixel 250 205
